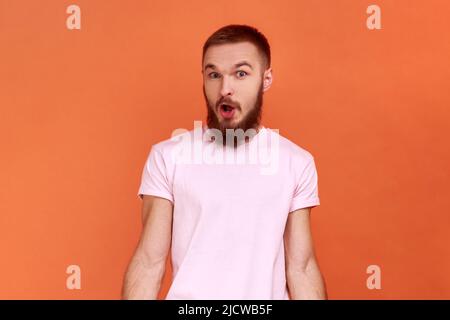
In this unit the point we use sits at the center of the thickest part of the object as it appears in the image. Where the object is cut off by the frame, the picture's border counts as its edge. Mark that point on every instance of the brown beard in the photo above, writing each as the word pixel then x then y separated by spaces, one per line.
pixel 251 120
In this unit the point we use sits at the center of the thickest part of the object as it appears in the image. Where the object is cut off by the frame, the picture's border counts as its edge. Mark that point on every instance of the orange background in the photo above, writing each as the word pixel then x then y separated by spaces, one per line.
pixel 80 109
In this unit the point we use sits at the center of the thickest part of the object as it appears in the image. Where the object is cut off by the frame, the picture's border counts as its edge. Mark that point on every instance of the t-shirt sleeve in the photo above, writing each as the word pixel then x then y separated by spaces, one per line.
pixel 306 192
pixel 155 178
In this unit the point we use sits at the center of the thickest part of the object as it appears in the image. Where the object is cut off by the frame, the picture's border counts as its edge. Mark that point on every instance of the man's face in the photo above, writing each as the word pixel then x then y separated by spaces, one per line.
pixel 234 80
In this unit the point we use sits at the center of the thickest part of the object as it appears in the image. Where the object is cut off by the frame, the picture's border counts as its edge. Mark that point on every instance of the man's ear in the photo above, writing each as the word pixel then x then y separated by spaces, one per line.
pixel 267 79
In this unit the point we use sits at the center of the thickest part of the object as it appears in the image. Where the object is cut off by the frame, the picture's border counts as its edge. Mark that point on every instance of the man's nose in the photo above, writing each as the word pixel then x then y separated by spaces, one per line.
pixel 227 86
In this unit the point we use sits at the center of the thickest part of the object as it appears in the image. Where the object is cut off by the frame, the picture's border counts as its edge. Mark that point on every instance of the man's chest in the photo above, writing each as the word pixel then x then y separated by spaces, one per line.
pixel 224 183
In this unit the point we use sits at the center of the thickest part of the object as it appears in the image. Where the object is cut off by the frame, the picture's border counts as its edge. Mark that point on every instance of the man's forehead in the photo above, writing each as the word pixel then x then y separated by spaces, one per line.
pixel 239 64
pixel 231 55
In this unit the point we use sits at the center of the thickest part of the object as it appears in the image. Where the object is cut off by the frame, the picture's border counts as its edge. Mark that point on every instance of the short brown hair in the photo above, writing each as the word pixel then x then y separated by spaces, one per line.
pixel 234 33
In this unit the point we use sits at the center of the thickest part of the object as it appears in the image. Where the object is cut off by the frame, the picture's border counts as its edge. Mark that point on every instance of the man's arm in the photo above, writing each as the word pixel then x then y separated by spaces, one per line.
pixel 146 269
pixel 303 276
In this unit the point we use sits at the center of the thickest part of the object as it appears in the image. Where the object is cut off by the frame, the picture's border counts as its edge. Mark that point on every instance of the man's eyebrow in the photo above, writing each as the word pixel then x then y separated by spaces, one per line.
pixel 210 65
pixel 243 63
pixel 237 65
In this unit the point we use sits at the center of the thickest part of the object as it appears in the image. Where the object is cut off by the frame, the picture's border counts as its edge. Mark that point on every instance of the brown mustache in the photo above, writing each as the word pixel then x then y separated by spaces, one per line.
pixel 228 102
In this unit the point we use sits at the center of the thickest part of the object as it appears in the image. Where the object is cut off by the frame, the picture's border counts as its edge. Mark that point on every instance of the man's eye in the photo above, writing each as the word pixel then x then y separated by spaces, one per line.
pixel 213 75
pixel 241 73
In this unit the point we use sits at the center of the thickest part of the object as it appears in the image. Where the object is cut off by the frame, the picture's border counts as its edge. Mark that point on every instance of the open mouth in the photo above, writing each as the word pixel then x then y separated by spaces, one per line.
pixel 227 111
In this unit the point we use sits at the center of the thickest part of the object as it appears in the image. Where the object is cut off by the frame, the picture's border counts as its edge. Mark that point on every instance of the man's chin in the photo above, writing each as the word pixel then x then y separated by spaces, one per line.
pixel 229 124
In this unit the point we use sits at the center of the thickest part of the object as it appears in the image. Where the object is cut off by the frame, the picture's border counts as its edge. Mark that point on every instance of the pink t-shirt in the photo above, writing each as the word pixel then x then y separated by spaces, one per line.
pixel 230 214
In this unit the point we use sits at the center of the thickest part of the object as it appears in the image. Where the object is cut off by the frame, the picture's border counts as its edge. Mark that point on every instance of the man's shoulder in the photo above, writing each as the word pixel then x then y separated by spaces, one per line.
pixel 178 138
pixel 289 147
